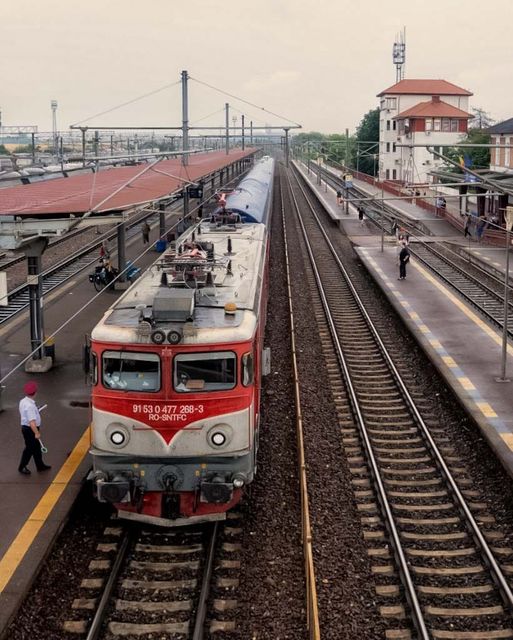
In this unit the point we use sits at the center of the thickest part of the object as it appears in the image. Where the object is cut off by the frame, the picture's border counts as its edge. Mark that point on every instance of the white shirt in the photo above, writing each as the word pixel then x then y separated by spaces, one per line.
pixel 29 411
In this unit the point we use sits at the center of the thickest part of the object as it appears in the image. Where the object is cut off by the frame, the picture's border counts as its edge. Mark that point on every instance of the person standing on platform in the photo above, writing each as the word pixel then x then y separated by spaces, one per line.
pixel 146 232
pixel 30 419
pixel 404 258
pixel 467 228
pixel 339 197
pixel 361 213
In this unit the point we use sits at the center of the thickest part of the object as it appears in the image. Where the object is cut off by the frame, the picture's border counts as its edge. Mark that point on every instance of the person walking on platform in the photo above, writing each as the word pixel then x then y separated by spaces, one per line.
pixel 146 232
pixel 361 213
pixel 339 197
pixel 404 258
pixel 30 419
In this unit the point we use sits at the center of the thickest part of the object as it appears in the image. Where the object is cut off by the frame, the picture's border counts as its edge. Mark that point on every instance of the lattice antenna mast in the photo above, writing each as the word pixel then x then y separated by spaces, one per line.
pixel 399 55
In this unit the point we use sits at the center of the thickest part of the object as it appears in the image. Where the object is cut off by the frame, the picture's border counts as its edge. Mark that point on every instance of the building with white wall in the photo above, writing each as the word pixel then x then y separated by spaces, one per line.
pixel 501 160
pixel 431 112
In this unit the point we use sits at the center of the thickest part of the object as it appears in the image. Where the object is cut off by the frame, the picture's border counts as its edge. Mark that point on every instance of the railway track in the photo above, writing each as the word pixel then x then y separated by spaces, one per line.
pixel 7 261
pixel 158 583
pixel 479 287
pixel 486 298
pixel 59 274
pixel 441 564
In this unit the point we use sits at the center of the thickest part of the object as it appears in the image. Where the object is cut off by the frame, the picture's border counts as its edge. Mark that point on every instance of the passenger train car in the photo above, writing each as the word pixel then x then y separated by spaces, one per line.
pixel 176 365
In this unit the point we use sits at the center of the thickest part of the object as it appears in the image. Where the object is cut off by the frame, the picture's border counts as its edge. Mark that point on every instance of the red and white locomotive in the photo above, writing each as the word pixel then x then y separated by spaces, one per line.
pixel 177 362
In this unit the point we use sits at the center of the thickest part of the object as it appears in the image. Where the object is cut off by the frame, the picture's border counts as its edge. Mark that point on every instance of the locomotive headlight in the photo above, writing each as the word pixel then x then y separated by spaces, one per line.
pixel 218 438
pixel 220 435
pixel 117 437
pixel 117 434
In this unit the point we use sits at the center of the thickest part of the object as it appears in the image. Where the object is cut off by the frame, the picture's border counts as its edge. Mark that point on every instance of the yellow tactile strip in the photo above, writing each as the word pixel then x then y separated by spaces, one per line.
pixel 466 383
pixel 21 544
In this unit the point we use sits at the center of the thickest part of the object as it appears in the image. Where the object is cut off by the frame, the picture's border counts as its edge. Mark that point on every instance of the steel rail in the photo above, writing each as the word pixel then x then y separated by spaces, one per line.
pixel 382 495
pixel 467 297
pixel 201 610
pixel 479 539
pixel 498 297
pixel 312 607
pixel 99 616
pixel 12 309
pixel 7 263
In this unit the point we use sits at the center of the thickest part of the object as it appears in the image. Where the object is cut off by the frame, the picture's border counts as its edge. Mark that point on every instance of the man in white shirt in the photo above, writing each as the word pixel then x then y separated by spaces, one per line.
pixel 30 422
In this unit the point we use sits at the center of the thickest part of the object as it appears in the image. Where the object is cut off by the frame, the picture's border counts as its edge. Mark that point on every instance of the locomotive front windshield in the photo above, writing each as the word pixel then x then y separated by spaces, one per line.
pixel 131 371
pixel 195 372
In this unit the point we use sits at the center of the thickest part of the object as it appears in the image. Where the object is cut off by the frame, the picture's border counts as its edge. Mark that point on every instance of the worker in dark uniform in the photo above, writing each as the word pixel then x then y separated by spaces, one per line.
pixel 30 419
pixel 146 233
pixel 404 258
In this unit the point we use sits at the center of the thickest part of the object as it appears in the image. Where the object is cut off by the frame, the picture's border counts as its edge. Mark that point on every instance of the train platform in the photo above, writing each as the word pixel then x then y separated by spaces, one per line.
pixel 35 507
pixel 489 257
pixel 465 349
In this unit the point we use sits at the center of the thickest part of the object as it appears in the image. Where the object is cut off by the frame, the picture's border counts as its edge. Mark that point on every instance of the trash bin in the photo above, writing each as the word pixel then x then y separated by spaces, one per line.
pixel 160 246
pixel 49 349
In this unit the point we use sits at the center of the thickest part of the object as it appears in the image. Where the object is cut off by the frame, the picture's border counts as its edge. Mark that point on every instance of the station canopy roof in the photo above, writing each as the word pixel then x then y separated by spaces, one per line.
pixel 112 190
pixel 501 178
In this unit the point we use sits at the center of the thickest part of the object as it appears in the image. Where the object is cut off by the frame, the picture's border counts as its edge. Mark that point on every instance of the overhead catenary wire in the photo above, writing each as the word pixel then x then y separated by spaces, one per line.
pixel 128 102
pixel 252 104
pixel 96 296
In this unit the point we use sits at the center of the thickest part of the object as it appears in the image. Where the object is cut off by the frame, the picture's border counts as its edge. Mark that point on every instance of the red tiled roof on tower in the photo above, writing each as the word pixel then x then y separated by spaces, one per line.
pixel 440 87
pixel 435 108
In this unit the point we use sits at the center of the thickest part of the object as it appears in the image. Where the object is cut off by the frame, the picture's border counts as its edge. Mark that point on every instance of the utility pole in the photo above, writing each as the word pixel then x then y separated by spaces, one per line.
pixel 287 147
pixel 185 139
pixel 251 132
pixel 185 118
pixel 83 129
pixel 242 131
pixel 227 134
pixel 346 155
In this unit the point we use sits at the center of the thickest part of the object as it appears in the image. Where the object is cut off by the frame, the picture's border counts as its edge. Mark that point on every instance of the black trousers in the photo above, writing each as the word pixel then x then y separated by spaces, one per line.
pixel 32 448
pixel 402 269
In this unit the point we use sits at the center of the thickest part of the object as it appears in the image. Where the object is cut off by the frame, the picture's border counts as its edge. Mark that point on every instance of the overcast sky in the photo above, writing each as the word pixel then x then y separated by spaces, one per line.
pixel 316 62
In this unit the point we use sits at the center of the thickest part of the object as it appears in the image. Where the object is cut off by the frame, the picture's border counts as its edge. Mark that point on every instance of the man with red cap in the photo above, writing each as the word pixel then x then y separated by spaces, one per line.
pixel 30 423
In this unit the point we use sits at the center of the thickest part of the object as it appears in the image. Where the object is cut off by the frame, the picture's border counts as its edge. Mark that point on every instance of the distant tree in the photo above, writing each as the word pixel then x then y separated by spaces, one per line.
pixel 313 143
pixel 481 120
pixel 23 148
pixel 473 158
pixel 3 150
pixel 368 131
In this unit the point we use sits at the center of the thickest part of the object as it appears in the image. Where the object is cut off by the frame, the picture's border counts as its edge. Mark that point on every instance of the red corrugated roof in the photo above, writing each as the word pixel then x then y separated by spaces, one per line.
pixel 426 87
pixel 433 109
pixel 79 194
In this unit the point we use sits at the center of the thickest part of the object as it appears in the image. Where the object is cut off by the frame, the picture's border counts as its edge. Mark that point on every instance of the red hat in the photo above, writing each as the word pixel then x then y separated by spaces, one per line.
pixel 30 388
